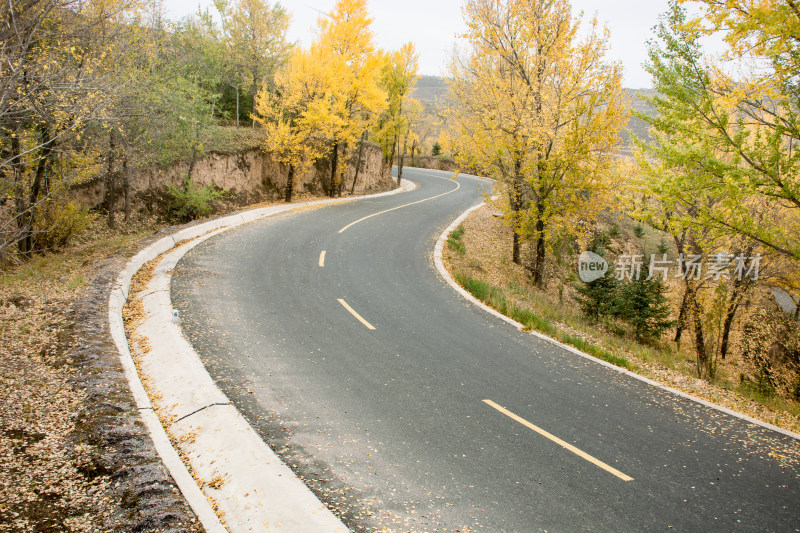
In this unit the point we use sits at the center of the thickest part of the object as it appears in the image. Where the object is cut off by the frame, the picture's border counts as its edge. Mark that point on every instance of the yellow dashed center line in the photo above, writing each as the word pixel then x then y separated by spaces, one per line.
pixel 458 186
pixel 353 312
pixel 568 446
pixel 322 258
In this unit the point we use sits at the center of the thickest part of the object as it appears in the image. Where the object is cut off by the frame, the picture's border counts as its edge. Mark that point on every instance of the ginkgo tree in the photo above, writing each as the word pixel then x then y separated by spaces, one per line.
pixel 721 171
pixel 398 73
pixel 736 136
pixel 345 33
pixel 299 115
pixel 538 108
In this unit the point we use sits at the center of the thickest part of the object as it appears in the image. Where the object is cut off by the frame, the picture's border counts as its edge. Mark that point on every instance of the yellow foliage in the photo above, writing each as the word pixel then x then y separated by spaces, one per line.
pixel 537 109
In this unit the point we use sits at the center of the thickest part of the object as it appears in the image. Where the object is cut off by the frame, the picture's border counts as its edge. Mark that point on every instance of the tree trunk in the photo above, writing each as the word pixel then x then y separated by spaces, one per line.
pixel 515 202
pixel 289 184
pixel 334 164
pixel 340 182
pixel 538 272
pixel 401 160
pixel 739 290
pixel 539 257
pixel 681 318
pixel 237 106
pixel 25 243
pixel 126 185
pixel 699 341
pixel 391 157
pixel 358 162
pixel 110 181
pixel 19 201
pixel 679 244
pixel 255 88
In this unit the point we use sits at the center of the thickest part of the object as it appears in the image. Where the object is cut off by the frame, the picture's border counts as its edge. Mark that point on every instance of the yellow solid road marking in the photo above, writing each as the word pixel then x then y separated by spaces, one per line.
pixel 560 442
pixel 353 312
pixel 322 258
pixel 458 185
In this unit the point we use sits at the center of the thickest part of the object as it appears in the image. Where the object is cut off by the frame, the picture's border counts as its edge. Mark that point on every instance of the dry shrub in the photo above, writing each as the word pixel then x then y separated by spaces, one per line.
pixel 59 221
pixel 770 345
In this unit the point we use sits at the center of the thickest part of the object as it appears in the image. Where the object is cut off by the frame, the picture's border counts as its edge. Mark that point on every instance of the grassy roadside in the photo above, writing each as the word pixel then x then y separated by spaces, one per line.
pixel 478 256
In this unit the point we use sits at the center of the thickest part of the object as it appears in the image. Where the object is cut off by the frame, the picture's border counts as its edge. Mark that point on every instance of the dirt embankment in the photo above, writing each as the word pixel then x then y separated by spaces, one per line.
pixel 249 177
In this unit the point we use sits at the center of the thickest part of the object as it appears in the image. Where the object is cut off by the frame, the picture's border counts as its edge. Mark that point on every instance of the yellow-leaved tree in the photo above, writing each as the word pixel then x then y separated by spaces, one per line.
pixel 345 34
pixel 299 116
pixel 539 109
pixel 398 73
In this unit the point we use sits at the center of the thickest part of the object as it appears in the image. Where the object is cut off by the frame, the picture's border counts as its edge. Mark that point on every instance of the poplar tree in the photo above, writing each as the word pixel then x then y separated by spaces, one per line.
pixel 398 73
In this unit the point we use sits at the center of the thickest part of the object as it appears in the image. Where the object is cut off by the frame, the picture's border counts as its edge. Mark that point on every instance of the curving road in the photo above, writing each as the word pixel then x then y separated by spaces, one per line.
pixel 404 406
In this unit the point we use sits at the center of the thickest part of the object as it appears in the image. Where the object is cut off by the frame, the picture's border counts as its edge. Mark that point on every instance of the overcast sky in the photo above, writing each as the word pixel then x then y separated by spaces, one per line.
pixel 433 24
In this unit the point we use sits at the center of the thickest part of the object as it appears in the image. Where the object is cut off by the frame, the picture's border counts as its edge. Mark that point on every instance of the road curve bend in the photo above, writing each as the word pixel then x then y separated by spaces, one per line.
pixel 404 406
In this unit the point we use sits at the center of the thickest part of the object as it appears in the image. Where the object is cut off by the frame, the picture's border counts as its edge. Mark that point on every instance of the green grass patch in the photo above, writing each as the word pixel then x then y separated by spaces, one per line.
pixel 596 351
pixel 495 298
pixel 454 240
pixel 534 322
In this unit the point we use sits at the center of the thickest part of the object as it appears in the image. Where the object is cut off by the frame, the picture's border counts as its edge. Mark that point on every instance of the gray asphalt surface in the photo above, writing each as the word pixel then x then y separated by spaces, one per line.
pixel 389 426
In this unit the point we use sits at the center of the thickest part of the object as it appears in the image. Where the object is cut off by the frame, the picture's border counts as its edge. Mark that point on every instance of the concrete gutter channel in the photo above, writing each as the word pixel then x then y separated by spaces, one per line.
pixel 249 485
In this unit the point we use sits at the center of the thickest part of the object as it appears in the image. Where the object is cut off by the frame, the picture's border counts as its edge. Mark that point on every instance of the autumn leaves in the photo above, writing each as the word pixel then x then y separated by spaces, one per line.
pixel 328 98
pixel 539 109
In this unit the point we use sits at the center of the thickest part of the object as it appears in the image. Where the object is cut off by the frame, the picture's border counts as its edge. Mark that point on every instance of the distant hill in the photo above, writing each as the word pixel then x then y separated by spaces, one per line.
pixel 432 89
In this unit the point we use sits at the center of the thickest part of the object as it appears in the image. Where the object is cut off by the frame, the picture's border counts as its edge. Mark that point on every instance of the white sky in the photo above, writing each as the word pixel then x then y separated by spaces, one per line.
pixel 433 24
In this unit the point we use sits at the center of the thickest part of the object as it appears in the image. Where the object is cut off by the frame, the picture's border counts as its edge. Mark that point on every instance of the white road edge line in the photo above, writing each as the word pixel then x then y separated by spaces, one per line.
pixel 437 260
pixel 186 483
pixel 353 312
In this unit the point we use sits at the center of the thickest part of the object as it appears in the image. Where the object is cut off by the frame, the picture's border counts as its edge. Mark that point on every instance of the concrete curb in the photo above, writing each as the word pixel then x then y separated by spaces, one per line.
pixel 437 260
pixel 253 490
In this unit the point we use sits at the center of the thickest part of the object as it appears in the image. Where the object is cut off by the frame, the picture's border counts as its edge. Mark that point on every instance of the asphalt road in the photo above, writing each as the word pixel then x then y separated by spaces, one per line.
pixel 401 426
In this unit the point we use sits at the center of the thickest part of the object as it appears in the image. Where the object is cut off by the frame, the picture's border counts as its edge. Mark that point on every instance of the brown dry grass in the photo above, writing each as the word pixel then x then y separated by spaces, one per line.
pixel 47 482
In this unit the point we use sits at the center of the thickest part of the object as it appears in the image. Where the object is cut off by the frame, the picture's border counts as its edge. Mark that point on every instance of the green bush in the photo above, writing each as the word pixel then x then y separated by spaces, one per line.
pixel 192 201
pixel 642 303
pixel 638 230
pixel 436 149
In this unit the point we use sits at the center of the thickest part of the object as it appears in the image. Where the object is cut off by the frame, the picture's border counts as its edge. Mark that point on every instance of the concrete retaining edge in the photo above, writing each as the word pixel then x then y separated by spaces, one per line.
pixel 236 515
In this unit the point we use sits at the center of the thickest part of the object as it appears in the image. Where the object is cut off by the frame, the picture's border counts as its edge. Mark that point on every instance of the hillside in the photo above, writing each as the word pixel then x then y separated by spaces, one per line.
pixel 430 90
